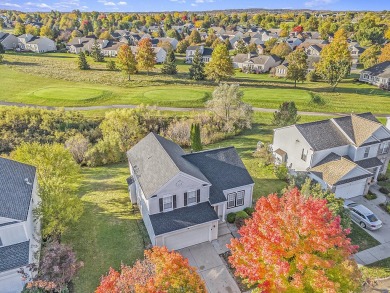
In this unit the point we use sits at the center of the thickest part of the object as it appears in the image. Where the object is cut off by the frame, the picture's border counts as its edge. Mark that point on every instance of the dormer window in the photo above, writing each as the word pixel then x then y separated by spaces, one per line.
pixel 366 152
pixel 191 197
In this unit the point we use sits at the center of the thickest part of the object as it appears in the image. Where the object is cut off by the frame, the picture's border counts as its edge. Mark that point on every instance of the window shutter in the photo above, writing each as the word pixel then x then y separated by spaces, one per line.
pixel 161 204
pixel 185 199
pixel 198 195
pixel 174 201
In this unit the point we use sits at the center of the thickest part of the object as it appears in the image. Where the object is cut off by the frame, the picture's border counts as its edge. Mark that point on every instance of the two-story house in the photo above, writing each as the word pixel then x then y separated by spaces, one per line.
pixel 19 230
pixel 28 42
pixel 182 197
pixel 345 154
pixel 205 52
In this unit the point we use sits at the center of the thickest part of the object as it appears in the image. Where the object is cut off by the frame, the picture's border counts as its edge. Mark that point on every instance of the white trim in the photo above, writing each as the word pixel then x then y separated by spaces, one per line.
pixel 196 200
pixel 163 198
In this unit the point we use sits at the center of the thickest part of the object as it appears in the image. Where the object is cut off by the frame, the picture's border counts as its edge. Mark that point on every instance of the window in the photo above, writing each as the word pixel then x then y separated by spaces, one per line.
pixel 304 155
pixel 384 148
pixel 167 203
pixel 191 197
pixel 236 199
pixel 366 152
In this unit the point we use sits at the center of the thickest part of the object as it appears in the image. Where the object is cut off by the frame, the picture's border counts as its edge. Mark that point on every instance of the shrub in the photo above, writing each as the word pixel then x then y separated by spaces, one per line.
pixel 312 76
pixel 281 172
pixel 382 177
pixel 231 217
pixel 249 210
pixel 242 215
pixel 317 100
pixel 265 156
pixel 111 65
pixel 370 196
pixel 384 190
pixel 386 206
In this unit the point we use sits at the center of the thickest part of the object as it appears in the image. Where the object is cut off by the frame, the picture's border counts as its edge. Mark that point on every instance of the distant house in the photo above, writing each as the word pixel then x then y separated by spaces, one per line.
pixel 28 42
pixel 182 197
pixel 171 41
pixel 309 42
pixel 161 54
pixel 281 70
pixel 111 48
pixel 344 154
pixel 378 75
pixel 356 52
pixel 206 53
pixel 80 44
pixel 257 64
pixel 311 63
pixel 8 41
pixel 314 50
pixel 19 230
pixel 293 42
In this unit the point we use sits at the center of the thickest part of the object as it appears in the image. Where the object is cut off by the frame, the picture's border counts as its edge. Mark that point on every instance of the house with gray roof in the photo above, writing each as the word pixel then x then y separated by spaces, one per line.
pixel 183 196
pixel 206 53
pixel 378 75
pixel 34 44
pixel 344 154
pixel 19 229
pixel 8 41
pixel 255 63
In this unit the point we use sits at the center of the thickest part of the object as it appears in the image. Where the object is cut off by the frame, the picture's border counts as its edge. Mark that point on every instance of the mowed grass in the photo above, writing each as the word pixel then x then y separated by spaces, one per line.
pixel 108 232
pixel 46 79
pixel 361 238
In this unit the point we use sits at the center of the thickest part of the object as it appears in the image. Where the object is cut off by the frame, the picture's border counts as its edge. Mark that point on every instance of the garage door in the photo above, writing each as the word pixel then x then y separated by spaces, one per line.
pixel 351 189
pixel 188 237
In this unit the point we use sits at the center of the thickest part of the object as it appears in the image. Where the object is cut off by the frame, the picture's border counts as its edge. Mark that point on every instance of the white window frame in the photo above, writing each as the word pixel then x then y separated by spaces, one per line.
pixel 366 152
pixel 189 203
pixel 231 200
pixel 165 198
pixel 240 197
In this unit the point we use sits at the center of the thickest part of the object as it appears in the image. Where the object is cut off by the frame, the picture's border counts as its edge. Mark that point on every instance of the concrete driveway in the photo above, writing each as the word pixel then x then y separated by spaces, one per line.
pixel 383 234
pixel 211 268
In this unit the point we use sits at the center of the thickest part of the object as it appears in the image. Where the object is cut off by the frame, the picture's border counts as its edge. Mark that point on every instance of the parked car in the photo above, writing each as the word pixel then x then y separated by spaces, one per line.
pixel 362 215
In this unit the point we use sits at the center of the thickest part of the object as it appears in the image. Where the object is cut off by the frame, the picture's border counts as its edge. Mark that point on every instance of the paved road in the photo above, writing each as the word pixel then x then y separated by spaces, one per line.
pixel 104 107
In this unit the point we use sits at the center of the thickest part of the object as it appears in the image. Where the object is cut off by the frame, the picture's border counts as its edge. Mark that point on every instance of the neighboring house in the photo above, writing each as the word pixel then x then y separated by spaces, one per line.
pixel 311 63
pixel 28 42
pixel 378 75
pixel 344 154
pixel 309 42
pixel 293 42
pixel 257 64
pixel 161 54
pixel 356 51
pixel 206 53
pixel 19 230
pixel 9 41
pixel 80 44
pixel 182 197
pixel 172 41
pixel 281 70
pixel 111 49
pixel 314 50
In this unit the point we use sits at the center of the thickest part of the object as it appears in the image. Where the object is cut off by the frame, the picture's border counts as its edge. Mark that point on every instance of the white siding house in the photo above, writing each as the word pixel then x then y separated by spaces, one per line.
pixel 378 75
pixel 8 41
pixel 182 197
pixel 19 229
pixel 344 154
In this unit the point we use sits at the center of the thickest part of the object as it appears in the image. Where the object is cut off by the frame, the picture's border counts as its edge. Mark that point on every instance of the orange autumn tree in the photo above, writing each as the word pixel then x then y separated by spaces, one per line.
pixel 295 244
pixel 161 271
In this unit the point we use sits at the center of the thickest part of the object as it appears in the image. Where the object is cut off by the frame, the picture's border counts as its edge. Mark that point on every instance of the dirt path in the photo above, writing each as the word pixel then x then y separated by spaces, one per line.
pixel 104 107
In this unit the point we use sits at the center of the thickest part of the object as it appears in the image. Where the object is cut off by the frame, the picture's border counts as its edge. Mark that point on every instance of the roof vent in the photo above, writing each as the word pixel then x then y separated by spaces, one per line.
pixel 27 181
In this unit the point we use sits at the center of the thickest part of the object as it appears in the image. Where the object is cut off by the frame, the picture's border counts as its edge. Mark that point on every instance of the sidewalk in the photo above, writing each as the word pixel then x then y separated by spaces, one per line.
pixel 373 254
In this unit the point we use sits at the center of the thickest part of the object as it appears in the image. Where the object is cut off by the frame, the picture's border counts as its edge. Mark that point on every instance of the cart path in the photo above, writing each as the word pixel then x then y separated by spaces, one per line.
pixel 175 109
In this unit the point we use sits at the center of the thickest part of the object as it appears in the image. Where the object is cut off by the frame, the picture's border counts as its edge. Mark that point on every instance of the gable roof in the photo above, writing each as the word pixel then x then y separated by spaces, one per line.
pixel 14 256
pixel 15 193
pixel 358 128
pixel 157 160
pixel 223 168
pixel 380 70
pixel 333 168
pixel 322 134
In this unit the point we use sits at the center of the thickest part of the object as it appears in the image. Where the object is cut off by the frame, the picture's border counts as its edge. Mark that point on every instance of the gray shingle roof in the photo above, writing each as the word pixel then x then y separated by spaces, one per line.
pixel 380 70
pixel 14 256
pixel 156 160
pixel 15 193
pixel 322 134
pixel 369 163
pixel 183 218
pixel 223 168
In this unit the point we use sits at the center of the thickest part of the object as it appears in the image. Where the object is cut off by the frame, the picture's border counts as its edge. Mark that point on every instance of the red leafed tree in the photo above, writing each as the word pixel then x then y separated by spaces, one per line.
pixel 160 271
pixel 298 29
pixel 295 244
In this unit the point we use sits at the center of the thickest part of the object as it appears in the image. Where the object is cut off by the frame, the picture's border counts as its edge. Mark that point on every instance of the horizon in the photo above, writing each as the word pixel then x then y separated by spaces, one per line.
pixel 164 6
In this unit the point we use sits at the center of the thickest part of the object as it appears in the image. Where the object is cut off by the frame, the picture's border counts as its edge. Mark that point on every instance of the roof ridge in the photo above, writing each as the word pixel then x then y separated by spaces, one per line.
pixel 210 150
pixel 170 158
pixel 9 159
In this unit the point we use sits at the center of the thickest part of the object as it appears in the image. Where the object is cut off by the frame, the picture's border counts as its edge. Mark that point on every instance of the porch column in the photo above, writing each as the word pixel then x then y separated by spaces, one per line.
pixel 223 212
pixel 376 174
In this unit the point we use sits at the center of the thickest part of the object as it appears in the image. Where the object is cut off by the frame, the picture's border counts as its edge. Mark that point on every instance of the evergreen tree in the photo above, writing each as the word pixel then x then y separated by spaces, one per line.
pixel 287 114
pixel 1 59
pixel 169 66
pixel 82 63
pixel 196 143
pixel 2 51
pixel 96 52
pixel 197 67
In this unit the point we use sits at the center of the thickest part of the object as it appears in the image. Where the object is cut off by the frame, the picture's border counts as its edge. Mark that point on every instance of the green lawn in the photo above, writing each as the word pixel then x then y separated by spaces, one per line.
pixel 53 80
pixel 377 270
pixel 108 233
pixel 361 238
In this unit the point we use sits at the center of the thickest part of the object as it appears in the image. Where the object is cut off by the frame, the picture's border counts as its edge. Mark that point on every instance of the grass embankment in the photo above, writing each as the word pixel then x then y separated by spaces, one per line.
pixel 54 80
